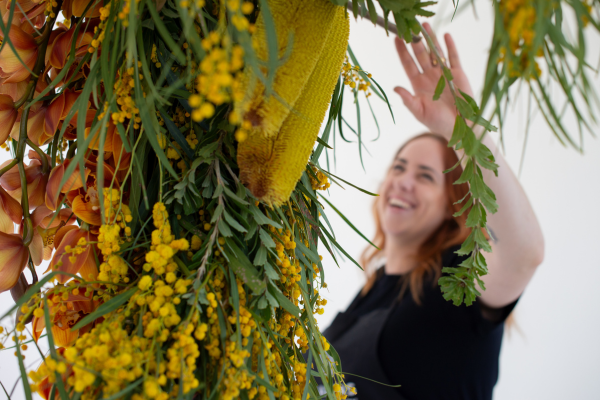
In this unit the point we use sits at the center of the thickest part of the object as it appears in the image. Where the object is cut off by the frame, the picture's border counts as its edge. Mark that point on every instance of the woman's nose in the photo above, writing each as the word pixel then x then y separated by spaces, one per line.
pixel 405 182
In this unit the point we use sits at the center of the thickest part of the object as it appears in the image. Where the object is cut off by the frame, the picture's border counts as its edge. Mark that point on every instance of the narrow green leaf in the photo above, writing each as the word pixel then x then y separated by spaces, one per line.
pixel 164 33
pixel 439 89
pixel 284 301
pixel 106 308
pixel 243 268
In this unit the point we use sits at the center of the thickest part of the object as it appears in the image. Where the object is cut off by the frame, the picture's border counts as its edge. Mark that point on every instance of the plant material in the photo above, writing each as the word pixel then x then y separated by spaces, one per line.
pixel 275 153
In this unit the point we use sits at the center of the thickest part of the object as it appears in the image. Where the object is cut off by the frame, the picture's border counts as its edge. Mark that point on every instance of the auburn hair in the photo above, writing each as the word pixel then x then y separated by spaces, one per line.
pixel 429 255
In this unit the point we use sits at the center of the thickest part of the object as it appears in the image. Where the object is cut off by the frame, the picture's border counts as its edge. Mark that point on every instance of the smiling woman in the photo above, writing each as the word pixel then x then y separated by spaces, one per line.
pixel 416 204
pixel 399 328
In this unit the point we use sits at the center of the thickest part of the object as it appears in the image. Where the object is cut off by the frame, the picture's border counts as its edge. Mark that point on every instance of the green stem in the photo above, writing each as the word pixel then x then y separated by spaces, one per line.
pixel 55 145
pixel 8 167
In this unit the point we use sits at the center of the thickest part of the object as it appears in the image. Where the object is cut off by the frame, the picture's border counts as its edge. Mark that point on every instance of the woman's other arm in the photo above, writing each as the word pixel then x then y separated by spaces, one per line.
pixel 518 245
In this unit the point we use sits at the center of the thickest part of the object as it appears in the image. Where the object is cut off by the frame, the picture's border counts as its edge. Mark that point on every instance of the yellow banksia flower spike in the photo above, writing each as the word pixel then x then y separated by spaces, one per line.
pixel 270 166
pixel 307 23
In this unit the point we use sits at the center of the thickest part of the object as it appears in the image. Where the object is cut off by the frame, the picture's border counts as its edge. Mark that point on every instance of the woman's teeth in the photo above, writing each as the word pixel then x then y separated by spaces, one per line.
pixel 399 203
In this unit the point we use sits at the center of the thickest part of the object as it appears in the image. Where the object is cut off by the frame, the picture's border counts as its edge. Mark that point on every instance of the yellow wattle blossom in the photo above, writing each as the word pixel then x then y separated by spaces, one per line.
pixel 320 181
pixel 270 165
pixel 519 21
pixel 352 78
pixel 219 78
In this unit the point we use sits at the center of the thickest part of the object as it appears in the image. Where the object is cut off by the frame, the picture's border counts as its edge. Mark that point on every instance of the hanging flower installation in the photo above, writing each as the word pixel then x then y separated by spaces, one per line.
pixel 166 169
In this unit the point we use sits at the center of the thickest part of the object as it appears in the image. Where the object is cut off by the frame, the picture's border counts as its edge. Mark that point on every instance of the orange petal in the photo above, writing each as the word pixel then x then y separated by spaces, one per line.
pixel 13 259
pixel 10 207
pixel 53 115
pixel 8 116
pixel 86 211
pixel 61 49
pixel 11 179
pixel 12 69
pixel 70 98
pixel 6 224
pixel 53 189
pixel 73 182
pixel 65 216
pixel 38 215
pixel 67 8
pixel 38 326
pixel 36 248
pixel 89 269
pixel 61 233
pixel 70 263
pixel 36 191
pixel 35 126
pixel 64 337
pixel 14 90
pixel 78 8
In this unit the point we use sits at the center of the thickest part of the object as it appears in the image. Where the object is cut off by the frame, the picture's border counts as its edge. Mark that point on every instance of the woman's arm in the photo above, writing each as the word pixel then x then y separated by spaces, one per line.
pixel 518 245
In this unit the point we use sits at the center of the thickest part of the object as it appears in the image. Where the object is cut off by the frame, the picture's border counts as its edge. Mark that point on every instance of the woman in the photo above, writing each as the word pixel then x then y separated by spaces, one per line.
pixel 399 330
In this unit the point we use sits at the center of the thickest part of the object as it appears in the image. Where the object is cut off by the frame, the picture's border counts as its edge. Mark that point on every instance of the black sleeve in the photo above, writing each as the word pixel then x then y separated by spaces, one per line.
pixel 490 316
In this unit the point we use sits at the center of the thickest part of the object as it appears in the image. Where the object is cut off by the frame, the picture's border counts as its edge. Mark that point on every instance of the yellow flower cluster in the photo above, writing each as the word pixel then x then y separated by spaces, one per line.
pixel 238 9
pixel 182 357
pixel 46 369
pixel 288 264
pixel 519 21
pixel 154 57
pixel 124 87
pixel 104 14
pixel 114 268
pixel 50 4
pixel 352 78
pixel 319 181
pixel 219 77
pixel 124 13
pixel 193 6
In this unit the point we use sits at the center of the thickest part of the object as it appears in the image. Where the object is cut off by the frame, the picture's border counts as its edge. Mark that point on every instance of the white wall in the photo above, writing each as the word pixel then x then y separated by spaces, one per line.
pixel 555 354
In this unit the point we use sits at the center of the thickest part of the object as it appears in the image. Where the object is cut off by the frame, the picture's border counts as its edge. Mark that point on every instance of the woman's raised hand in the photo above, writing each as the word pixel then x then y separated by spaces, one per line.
pixel 437 115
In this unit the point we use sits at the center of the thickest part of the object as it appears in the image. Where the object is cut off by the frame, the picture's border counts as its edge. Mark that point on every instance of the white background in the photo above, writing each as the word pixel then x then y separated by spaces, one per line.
pixel 554 353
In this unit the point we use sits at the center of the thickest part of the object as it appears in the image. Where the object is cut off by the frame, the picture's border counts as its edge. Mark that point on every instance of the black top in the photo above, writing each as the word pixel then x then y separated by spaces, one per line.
pixel 435 350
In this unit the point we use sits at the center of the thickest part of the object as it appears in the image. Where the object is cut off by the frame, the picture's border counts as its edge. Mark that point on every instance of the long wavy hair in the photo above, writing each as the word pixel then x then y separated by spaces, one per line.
pixel 429 255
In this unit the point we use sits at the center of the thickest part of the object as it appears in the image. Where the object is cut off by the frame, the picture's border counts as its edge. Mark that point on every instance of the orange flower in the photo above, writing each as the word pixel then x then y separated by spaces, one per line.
pixel 85 202
pixel 11 69
pixel 46 224
pixel 44 120
pixel 10 212
pixel 8 115
pixel 36 181
pixel 74 254
pixel 45 385
pixel 113 145
pixel 73 182
pixel 64 314
pixel 77 8
pixel 13 259
pixel 34 14
pixel 60 48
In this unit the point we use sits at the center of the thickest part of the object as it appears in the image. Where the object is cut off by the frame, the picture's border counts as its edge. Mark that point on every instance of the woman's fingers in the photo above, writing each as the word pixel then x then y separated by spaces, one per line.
pixel 452 52
pixel 405 58
pixel 422 55
pixel 411 102
pixel 435 41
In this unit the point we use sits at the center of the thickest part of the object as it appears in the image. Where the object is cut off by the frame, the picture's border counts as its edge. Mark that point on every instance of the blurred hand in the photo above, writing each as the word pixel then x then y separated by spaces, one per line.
pixel 437 115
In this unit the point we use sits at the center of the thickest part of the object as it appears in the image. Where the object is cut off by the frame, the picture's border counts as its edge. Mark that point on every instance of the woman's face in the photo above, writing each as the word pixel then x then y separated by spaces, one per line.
pixel 413 199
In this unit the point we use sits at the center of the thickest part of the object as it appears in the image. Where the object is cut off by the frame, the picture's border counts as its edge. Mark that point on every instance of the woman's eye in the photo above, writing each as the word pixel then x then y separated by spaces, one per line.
pixel 427 177
pixel 399 167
